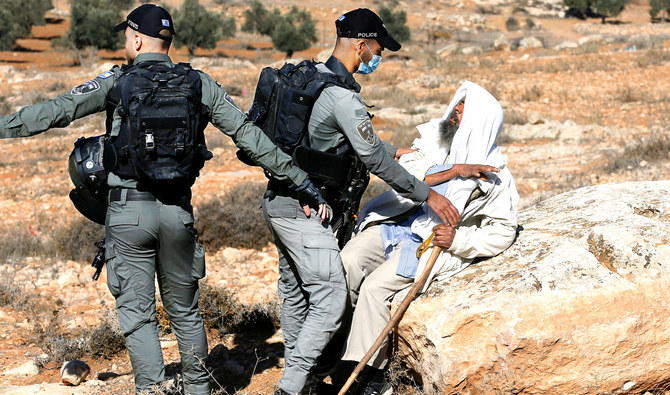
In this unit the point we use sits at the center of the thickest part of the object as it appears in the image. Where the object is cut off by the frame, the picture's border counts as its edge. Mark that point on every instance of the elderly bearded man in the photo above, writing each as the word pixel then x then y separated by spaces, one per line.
pixel 380 260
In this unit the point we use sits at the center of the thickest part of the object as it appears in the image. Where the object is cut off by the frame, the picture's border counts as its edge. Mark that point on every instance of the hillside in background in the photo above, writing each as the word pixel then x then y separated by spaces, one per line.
pixel 585 104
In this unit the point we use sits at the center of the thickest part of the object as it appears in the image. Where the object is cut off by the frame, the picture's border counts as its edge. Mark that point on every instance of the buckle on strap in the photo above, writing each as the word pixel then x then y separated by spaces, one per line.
pixel 149 141
pixel 181 141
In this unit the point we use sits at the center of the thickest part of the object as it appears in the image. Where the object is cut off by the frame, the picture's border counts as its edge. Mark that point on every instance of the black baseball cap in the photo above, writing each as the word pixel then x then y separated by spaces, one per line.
pixel 148 19
pixel 363 23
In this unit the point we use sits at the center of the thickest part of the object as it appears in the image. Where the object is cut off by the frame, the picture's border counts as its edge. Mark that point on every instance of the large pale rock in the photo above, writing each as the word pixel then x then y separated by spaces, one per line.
pixel 74 372
pixel 29 368
pixel 579 304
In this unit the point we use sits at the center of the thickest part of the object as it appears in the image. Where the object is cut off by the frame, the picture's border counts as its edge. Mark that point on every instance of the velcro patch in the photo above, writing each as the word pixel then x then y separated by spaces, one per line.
pixel 366 131
pixel 86 88
pixel 229 99
pixel 106 74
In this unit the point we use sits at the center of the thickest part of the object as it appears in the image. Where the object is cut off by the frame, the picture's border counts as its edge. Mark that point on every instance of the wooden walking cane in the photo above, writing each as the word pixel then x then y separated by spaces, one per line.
pixel 397 316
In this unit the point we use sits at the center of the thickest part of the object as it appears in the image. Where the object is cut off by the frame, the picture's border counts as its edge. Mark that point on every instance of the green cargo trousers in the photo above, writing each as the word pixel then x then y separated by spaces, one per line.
pixel 147 239
pixel 311 285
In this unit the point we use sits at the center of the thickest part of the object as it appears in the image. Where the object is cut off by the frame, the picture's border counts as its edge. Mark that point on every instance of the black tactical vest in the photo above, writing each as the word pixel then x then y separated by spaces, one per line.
pixel 161 143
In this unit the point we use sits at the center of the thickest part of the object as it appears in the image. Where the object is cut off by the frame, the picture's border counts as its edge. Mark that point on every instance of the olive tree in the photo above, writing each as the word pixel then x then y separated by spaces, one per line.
pixel 17 17
pixel 294 31
pixel 658 6
pixel 609 8
pixel 92 21
pixel 258 19
pixel 197 27
pixel 395 22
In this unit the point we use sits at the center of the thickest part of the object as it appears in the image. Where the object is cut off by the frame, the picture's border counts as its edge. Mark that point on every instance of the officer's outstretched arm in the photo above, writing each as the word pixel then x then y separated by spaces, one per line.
pixel 87 98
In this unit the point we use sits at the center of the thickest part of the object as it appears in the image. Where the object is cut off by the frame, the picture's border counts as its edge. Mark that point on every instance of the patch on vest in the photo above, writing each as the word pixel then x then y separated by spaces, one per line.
pixel 86 88
pixel 366 132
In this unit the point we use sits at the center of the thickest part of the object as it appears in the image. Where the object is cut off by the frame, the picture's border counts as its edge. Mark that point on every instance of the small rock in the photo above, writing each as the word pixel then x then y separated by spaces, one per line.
pixel 501 43
pixel 67 279
pixel 74 372
pixel 565 45
pixel 530 42
pixel 29 368
pixel 473 50
pixel 594 38
pixel 449 49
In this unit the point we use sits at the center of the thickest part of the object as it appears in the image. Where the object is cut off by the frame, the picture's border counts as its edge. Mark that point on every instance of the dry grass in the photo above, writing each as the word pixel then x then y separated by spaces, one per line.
pixel 71 241
pixel 221 311
pixel 235 220
pixel 60 345
pixel 652 148
pixel 400 377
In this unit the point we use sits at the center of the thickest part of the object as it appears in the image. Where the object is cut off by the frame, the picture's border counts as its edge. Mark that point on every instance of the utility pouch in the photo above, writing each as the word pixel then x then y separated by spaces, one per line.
pixel 332 170
pixel 295 107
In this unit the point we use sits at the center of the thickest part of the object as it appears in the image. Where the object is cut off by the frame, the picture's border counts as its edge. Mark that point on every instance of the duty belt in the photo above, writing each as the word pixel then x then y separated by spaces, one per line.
pixel 115 195
pixel 281 189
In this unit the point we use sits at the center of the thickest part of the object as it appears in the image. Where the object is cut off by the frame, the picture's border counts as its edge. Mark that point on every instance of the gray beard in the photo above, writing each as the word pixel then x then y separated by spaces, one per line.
pixel 447 132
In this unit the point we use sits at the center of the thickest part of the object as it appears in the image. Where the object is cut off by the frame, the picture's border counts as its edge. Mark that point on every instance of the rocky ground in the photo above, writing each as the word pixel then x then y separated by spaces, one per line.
pixel 585 103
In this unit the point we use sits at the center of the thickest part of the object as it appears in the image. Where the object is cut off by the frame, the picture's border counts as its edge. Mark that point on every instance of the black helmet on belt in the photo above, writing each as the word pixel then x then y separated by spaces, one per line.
pixel 89 178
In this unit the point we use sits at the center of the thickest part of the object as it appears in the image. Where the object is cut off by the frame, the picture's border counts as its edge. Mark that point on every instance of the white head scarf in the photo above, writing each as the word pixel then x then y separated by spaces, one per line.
pixel 473 143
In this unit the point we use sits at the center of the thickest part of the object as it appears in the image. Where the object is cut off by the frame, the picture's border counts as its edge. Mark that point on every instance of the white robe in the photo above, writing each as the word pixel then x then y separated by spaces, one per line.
pixel 488 224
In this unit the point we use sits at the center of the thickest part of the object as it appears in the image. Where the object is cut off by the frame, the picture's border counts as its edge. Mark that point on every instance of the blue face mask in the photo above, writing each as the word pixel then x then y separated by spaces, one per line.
pixel 371 66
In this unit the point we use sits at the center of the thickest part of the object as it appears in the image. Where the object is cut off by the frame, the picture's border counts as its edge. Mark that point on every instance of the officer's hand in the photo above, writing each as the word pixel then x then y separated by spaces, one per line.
pixel 475 171
pixel 444 236
pixel 309 195
pixel 443 208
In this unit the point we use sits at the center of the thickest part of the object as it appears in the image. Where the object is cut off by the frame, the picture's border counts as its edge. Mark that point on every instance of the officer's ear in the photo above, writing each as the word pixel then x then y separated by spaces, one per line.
pixel 137 40
pixel 359 46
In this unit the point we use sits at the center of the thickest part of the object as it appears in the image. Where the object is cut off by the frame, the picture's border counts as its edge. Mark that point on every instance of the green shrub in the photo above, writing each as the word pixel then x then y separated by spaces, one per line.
pixel 596 8
pixel 609 8
pixel 294 31
pixel 512 24
pixel 395 22
pixel 658 6
pixel 92 21
pixel 17 17
pixel 199 28
pixel 259 20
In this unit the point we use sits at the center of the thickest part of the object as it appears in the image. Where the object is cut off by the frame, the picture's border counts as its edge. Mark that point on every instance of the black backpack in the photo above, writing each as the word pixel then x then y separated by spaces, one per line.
pixel 161 143
pixel 284 99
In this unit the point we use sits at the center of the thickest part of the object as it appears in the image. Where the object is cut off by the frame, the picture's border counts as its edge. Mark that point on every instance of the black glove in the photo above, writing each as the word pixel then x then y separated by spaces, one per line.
pixel 308 194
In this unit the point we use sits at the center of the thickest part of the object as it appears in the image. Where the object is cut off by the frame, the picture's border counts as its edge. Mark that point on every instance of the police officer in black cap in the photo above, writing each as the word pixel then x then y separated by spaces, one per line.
pixel 312 283
pixel 149 231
